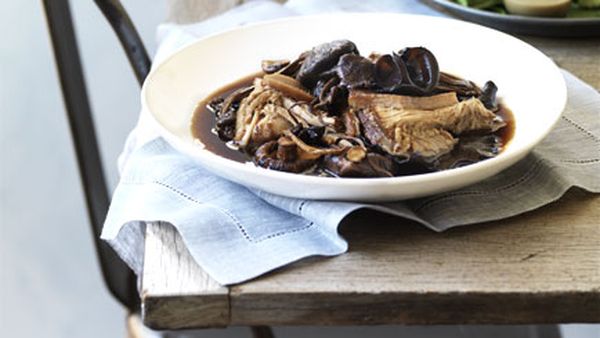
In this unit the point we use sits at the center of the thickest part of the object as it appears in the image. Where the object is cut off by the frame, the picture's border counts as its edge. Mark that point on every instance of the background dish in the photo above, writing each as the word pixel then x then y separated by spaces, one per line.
pixel 530 84
pixel 516 24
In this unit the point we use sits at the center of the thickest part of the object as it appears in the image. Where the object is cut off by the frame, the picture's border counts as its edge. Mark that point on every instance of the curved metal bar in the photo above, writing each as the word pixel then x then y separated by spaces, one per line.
pixel 262 332
pixel 119 279
pixel 128 36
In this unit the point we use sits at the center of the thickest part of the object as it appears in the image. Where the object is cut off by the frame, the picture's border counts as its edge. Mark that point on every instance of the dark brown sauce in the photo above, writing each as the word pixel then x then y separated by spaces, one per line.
pixel 203 122
pixel 506 134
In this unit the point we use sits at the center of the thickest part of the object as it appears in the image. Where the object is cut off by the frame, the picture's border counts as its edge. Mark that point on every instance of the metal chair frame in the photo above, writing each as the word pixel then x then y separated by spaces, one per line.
pixel 118 277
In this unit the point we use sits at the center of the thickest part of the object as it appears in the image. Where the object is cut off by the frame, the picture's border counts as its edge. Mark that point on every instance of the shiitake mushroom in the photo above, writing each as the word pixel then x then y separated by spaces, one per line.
pixel 411 71
pixel 321 59
pixel 422 67
pixel 488 95
pixel 225 112
pixel 281 155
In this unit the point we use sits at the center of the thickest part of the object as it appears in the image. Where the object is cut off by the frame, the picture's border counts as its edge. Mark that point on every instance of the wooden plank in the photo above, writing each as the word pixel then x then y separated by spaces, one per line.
pixel 579 56
pixel 176 292
pixel 542 267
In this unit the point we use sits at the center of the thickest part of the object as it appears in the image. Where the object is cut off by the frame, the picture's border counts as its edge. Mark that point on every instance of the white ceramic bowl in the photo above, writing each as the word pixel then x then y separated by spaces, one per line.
pixel 529 83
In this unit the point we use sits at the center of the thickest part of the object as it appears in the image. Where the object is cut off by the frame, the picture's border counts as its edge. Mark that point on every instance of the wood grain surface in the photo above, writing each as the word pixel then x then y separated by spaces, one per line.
pixel 579 56
pixel 176 292
pixel 540 267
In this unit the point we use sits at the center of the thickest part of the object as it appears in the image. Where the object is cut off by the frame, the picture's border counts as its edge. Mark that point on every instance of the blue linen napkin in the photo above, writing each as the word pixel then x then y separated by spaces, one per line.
pixel 236 234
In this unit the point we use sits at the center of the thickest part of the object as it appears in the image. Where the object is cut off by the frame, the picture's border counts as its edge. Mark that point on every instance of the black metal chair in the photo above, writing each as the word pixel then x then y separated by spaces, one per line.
pixel 119 279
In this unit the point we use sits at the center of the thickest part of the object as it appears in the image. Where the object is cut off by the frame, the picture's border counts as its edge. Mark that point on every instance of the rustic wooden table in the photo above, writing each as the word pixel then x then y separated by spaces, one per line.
pixel 541 267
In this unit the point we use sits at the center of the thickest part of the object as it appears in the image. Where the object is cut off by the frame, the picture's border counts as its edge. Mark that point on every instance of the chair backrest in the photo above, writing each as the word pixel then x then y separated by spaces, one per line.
pixel 119 279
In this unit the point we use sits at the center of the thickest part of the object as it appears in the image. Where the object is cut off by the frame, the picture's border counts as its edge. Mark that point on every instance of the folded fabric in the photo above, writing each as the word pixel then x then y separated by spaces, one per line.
pixel 236 234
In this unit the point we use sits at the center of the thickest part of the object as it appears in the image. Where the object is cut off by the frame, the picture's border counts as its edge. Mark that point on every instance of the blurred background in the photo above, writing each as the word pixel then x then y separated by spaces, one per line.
pixel 50 285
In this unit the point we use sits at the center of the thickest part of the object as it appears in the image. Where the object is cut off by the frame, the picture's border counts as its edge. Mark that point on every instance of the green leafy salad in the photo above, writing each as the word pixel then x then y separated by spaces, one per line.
pixel 578 9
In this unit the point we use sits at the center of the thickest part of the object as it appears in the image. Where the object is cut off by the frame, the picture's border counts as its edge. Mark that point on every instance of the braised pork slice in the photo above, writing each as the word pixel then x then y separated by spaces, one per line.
pixel 359 98
pixel 420 126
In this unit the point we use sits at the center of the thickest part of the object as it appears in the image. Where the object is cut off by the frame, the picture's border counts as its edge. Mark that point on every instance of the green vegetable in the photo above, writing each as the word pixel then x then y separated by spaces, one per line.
pixel 583 13
pixel 498 9
pixel 579 8
pixel 480 4
pixel 589 3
